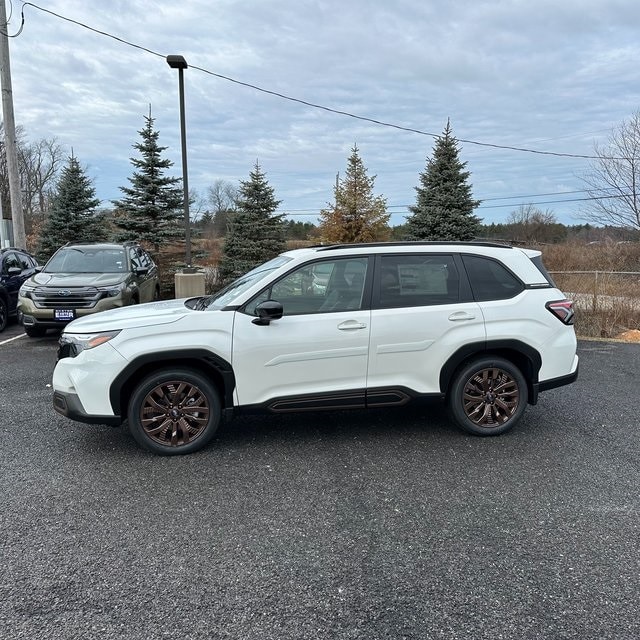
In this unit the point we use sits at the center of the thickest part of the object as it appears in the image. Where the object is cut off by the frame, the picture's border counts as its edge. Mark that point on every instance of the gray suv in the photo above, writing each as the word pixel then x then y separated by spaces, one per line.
pixel 80 279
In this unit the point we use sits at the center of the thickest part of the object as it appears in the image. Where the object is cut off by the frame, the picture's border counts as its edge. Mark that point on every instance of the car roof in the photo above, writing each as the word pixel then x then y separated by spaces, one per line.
pixel 484 248
pixel 516 258
pixel 99 245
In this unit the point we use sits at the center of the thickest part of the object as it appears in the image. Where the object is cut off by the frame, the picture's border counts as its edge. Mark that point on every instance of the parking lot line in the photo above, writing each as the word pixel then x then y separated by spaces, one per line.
pixel 22 335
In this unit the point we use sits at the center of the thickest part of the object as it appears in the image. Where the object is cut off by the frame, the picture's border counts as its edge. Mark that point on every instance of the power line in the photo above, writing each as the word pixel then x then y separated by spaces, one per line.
pixel 301 212
pixel 312 104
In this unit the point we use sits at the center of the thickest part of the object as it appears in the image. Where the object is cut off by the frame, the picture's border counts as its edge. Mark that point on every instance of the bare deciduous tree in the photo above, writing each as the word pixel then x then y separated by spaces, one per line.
pixel 39 164
pixel 530 224
pixel 221 196
pixel 614 178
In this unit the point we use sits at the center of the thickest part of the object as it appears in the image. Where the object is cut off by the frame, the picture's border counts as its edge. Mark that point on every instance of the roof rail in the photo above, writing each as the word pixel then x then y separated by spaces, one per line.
pixel 408 243
pixel 13 249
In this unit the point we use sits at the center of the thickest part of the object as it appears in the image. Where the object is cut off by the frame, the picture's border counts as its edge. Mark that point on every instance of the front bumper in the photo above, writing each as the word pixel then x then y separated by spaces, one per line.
pixel 69 405
pixel 33 316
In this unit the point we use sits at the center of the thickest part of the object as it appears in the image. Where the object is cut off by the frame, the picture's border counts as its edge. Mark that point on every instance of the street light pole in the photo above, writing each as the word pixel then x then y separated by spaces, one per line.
pixel 179 63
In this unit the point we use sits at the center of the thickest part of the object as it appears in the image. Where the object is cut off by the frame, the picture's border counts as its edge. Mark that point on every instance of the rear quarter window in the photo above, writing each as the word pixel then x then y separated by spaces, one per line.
pixel 490 279
pixel 537 260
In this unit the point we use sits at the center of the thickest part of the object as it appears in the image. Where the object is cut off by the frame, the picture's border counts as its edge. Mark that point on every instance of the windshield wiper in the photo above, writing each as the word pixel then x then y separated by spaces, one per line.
pixel 201 303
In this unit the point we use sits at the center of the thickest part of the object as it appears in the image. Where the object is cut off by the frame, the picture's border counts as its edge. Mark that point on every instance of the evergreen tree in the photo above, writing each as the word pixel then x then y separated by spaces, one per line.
pixel 444 206
pixel 254 233
pixel 151 210
pixel 72 216
pixel 356 215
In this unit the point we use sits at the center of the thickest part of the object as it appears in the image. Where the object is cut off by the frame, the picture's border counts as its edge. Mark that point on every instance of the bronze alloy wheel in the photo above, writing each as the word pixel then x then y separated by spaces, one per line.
pixel 491 397
pixel 174 413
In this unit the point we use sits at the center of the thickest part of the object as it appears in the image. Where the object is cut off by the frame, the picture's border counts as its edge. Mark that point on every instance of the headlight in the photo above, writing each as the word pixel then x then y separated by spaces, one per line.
pixel 113 290
pixel 71 344
pixel 25 291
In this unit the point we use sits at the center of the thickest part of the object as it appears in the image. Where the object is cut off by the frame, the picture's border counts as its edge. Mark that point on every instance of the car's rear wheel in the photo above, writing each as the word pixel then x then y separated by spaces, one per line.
pixel 174 411
pixel 4 314
pixel 488 396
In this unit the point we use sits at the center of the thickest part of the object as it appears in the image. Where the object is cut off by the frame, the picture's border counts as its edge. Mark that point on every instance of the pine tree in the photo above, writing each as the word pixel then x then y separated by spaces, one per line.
pixel 151 210
pixel 356 215
pixel 444 205
pixel 254 233
pixel 72 216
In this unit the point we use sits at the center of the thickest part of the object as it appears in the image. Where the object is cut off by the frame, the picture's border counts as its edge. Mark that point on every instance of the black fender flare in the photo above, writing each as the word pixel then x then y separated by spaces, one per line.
pixel 524 356
pixel 210 364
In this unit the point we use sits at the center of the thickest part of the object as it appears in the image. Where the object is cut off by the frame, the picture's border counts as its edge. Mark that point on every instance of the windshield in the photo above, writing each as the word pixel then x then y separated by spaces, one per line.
pixel 87 260
pixel 229 293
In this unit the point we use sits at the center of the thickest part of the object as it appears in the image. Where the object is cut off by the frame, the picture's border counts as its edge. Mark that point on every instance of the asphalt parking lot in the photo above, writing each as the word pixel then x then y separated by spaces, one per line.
pixel 389 524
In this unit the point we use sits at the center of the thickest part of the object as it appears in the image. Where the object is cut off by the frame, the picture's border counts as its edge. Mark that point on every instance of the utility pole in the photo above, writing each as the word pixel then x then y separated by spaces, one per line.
pixel 19 237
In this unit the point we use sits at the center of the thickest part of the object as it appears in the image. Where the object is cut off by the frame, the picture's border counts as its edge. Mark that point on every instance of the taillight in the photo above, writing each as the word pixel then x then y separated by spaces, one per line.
pixel 562 309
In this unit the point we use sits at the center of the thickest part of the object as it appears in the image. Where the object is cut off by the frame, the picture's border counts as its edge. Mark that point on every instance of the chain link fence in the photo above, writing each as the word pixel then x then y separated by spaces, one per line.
pixel 607 303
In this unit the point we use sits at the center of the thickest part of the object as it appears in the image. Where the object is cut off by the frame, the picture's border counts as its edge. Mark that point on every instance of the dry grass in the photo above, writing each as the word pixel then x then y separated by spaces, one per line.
pixel 608 304
pixel 604 281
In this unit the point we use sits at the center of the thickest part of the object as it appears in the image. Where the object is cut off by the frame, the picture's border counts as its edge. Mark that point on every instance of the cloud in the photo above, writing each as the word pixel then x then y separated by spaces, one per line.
pixel 543 75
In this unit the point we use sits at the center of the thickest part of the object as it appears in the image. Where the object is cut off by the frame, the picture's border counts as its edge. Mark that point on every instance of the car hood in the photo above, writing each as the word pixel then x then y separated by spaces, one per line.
pixel 67 280
pixel 138 315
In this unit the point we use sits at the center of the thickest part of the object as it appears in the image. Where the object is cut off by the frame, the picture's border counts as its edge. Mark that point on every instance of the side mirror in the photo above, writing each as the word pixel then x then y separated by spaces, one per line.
pixel 267 311
pixel 14 271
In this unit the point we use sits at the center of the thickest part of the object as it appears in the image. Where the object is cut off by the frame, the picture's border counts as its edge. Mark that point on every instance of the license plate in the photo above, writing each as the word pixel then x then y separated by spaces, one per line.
pixel 64 314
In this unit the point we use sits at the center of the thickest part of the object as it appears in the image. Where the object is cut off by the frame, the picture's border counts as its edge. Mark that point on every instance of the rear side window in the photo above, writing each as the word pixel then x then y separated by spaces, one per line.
pixel 490 280
pixel 417 281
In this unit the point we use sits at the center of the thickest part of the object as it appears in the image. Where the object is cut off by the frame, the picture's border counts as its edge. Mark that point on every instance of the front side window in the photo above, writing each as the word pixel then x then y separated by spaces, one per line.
pixel 145 258
pixel 490 280
pixel 320 287
pixel 417 280
pixel 136 262
pixel 25 261
pixel 11 262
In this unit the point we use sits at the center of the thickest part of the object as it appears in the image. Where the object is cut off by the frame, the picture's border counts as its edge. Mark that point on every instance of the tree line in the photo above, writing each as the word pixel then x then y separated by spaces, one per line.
pixel 61 203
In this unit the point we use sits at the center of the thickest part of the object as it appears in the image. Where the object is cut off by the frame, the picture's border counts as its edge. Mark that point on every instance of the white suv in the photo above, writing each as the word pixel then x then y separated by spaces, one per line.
pixel 479 325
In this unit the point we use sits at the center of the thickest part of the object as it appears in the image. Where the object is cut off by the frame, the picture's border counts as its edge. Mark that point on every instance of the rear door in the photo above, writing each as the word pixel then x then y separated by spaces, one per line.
pixel 422 312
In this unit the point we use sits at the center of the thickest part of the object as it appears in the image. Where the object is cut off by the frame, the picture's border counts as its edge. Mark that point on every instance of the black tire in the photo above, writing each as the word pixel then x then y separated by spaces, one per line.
pixel 4 314
pixel 174 411
pixel 35 332
pixel 488 396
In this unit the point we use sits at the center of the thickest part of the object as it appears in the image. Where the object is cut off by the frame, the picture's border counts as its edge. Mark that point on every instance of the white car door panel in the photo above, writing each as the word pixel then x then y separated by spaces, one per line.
pixel 409 346
pixel 300 355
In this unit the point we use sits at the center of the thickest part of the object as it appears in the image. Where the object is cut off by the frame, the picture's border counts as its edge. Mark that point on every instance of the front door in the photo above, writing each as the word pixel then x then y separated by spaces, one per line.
pixel 316 354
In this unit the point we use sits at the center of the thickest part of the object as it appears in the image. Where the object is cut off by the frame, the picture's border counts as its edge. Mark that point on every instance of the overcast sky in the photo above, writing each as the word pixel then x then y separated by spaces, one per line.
pixel 547 75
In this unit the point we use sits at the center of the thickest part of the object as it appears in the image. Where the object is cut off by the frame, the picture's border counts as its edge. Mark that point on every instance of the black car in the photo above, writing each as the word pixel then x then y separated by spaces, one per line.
pixel 16 266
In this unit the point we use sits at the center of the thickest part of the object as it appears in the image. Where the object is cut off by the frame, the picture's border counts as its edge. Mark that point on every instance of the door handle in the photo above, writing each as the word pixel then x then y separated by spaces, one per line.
pixel 351 325
pixel 461 315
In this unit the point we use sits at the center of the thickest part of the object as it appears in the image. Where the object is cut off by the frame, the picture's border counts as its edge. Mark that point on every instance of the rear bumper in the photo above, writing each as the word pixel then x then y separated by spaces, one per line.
pixel 554 383
pixel 69 405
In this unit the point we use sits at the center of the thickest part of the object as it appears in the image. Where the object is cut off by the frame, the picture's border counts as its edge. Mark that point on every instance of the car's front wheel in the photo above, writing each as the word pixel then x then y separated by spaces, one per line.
pixel 174 411
pixel 4 314
pixel 488 396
